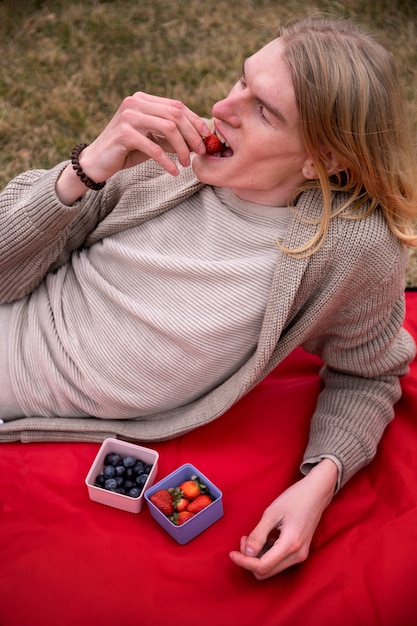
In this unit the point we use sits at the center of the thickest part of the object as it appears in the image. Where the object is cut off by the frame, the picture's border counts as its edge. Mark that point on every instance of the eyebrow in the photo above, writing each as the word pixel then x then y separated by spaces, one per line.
pixel 275 112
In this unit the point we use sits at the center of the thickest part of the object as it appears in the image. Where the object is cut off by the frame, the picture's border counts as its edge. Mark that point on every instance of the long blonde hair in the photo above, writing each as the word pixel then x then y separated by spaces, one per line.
pixel 352 107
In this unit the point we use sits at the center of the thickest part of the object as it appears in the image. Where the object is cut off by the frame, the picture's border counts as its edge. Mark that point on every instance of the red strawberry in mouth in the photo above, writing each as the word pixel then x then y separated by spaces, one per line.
pixel 215 145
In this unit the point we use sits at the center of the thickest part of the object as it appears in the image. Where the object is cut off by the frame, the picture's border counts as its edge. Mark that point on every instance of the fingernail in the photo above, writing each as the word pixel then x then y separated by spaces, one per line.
pixel 249 551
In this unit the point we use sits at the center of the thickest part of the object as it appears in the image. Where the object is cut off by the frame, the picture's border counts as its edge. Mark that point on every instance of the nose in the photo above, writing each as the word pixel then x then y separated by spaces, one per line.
pixel 228 110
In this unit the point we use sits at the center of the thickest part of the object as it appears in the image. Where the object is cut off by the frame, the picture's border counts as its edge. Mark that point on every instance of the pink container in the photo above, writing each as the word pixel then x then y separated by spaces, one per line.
pixel 202 520
pixel 117 500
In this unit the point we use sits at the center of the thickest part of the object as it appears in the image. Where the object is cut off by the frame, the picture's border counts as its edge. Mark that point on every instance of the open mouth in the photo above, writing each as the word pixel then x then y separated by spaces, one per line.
pixel 226 150
pixel 216 144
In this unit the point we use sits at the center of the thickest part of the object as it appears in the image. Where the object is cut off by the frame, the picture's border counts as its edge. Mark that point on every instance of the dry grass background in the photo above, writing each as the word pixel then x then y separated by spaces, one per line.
pixel 65 66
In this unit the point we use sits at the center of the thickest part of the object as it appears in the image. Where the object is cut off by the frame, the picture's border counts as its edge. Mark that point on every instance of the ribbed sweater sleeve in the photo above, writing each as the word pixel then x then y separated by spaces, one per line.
pixel 38 233
pixel 365 352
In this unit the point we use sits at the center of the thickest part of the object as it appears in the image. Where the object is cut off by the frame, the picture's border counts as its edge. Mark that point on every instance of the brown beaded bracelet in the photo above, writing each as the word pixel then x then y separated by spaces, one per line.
pixel 75 156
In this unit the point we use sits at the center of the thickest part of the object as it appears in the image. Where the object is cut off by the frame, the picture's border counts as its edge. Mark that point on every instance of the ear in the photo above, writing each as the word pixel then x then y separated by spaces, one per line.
pixel 330 161
pixel 309 171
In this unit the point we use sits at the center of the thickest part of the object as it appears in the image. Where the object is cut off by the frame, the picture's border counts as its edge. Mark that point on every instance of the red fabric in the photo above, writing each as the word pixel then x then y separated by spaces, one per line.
pixel 66 560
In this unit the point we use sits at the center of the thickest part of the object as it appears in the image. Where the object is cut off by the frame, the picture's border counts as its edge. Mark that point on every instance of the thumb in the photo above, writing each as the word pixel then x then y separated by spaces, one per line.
pixel 260 540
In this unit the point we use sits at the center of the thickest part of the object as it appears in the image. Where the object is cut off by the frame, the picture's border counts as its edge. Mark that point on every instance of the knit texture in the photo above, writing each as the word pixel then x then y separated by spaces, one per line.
pixel 344 303
pixel 150 318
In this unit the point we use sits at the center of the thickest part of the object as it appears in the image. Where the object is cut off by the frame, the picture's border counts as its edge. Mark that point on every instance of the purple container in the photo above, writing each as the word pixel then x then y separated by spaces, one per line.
pixel 202 520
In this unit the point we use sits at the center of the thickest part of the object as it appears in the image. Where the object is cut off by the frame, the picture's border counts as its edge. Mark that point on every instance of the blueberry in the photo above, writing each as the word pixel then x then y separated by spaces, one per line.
pixel 109 471
pixel 138 468
pixel 129 461
pixel 141 480
pixel 100 480
pixel 110 484
pixel 112 459
pixel 126 475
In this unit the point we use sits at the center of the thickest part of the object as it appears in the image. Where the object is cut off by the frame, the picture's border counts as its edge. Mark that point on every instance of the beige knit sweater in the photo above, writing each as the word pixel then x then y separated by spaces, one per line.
pixel 344 303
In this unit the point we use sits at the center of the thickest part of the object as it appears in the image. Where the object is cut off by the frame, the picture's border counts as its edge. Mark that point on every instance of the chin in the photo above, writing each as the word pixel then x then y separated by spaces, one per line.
pixel 210 170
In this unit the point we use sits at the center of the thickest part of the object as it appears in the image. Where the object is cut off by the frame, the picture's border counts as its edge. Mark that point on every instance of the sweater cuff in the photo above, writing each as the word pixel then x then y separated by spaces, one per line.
pixel 310 462
pixel 45 211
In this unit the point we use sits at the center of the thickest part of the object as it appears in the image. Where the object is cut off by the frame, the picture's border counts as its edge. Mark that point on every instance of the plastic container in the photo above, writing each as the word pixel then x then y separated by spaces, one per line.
pixel 117 500
pixel 202 520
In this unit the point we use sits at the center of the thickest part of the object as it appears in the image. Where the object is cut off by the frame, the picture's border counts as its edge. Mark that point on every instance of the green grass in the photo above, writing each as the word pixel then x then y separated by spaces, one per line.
pixel 66 65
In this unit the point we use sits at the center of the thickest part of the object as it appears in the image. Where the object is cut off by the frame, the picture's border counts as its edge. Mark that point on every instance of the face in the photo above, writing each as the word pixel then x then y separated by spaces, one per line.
pixel 259 120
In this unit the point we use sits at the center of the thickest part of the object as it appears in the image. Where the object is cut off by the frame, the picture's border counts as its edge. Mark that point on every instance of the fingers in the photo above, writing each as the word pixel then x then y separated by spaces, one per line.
pixel 296 513
pixel 270 541
pixel 166 123
pixel 263 536
pixel 274 557
pixel 146 127
pixel 173 110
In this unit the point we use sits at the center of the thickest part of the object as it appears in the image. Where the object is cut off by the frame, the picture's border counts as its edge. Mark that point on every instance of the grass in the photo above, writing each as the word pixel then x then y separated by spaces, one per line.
pixel 66 66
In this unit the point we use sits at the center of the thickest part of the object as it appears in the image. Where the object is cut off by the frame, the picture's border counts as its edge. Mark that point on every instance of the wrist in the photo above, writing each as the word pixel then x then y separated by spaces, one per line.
pixel 78 168
pixel 69 187
pixel 312 461
pixel 325 473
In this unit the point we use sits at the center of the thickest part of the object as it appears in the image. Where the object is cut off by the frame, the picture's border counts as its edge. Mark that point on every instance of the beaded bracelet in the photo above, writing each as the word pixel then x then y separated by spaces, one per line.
pixel 75 156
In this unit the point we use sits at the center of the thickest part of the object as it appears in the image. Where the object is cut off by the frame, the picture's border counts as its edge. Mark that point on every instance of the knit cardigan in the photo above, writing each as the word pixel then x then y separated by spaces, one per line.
pixel 344 303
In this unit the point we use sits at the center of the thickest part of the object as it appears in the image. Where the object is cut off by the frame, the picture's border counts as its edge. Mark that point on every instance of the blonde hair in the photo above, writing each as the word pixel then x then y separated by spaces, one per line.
pixel 353 118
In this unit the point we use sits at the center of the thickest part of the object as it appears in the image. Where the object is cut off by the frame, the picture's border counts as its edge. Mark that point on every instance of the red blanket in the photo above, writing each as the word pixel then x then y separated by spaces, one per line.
pixel 65 560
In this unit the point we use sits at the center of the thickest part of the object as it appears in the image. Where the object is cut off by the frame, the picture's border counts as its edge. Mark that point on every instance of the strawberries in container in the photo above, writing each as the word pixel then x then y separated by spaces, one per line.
pixel 185 503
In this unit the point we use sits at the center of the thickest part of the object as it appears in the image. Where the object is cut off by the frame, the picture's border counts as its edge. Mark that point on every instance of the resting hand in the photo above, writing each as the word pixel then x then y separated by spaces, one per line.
pixel 144 127
pixel 296 513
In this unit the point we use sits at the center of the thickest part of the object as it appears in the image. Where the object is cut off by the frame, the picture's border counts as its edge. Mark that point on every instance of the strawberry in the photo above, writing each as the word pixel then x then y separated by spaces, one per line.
pixel 192 488
pixel 200 503
pixel 183 516
pixel 213 144
pixel 182 504
pixel 164 501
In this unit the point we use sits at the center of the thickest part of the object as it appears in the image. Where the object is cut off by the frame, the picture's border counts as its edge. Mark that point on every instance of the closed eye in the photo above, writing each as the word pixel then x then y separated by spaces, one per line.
pixel 268 107
pixel 262 110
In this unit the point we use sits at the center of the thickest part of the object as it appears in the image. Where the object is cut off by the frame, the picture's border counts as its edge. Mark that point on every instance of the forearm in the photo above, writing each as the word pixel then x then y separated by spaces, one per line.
pixel 69 187
pixel 350 418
